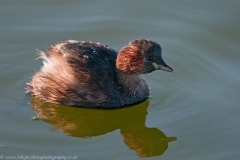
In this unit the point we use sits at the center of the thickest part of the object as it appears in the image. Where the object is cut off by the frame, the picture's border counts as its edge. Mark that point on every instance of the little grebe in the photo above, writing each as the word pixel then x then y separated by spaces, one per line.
pixel 93 75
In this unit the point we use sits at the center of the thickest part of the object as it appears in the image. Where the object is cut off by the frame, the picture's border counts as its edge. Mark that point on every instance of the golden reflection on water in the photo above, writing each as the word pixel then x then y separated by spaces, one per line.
pixel 85 123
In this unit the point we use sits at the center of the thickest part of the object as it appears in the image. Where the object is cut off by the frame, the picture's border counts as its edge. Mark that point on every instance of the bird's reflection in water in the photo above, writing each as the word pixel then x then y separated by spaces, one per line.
pixel 85 123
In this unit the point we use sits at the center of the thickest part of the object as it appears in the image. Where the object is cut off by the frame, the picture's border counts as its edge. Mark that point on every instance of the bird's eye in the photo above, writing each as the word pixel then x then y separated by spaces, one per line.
pixel 150 58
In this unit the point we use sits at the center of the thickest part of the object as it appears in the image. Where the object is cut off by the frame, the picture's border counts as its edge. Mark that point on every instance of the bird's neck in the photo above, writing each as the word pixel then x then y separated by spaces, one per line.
pixel 133 87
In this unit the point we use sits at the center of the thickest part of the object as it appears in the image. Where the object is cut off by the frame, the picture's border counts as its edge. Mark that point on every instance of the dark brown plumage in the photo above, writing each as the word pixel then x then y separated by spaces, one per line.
pixel 94 75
